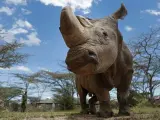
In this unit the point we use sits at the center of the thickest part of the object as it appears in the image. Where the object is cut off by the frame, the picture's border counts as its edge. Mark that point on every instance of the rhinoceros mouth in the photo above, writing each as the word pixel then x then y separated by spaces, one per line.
pixel 82 61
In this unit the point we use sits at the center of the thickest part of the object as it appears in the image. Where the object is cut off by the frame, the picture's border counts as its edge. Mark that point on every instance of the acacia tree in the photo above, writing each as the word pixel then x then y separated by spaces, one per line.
pixel 8 93
pixel 63 86
pixel 64 90
pixel 26 82
pixel 146 52
pixel 9 55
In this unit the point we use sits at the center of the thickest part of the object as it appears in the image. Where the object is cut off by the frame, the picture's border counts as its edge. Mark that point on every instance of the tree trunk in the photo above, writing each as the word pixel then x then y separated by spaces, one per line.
pixel 150 90
pixel 24 102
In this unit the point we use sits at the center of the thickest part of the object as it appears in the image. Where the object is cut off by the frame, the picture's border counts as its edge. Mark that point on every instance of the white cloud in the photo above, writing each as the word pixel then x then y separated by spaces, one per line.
pixel 9 37
pixel 75 4
pixel 7 10
pixel 128 28
pixel 21 27
pixel 18 68
pixel 31 40
pixel 18 31
pixel 25 11
pixel 6 35
pixel 151 12
pixel 16 2
pixel 22 68
pixel 42 68
pixel 87 11
pixel 23 24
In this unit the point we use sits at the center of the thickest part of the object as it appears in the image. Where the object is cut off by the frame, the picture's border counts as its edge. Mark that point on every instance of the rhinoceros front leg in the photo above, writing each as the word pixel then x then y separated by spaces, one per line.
pixel 122 97
pixel 92 102
pixel 123 93
pixel 105 108
pixel 84 106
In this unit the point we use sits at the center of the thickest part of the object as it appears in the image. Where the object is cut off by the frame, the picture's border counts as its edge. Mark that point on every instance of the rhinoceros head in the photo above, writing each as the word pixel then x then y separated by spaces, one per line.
pixel 94 44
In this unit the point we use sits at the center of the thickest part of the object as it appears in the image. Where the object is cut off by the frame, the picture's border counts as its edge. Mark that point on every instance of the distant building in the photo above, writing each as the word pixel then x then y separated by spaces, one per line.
pixel 156 99
pixel 47 103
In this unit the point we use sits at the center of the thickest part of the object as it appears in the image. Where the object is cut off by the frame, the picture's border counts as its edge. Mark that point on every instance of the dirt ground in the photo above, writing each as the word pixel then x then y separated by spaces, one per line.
pixel 93 117
pixel 142 113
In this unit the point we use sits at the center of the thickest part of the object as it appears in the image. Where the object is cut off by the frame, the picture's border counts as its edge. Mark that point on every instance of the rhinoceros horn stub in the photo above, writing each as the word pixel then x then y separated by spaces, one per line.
pixel 71 28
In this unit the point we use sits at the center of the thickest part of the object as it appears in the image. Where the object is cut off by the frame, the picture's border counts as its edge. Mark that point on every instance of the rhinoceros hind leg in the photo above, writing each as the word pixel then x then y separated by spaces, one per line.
pixel 84 109
pixel 92 102
pixel 84 106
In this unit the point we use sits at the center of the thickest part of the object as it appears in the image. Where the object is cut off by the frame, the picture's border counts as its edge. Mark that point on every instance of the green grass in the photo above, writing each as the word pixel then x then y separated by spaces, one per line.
pixel 147 113
pixel 20 116
pixel 146 110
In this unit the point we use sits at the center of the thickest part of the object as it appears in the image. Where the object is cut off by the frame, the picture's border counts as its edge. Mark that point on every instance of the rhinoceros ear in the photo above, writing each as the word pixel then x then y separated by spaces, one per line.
pixel 84 21
pixel 120 13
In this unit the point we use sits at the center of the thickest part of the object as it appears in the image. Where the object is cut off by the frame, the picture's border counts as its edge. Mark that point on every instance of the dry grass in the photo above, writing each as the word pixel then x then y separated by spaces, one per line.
pixel 144 113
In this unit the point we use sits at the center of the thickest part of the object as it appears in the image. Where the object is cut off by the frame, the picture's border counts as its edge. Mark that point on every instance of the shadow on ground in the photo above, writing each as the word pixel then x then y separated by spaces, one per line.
pixel 154 116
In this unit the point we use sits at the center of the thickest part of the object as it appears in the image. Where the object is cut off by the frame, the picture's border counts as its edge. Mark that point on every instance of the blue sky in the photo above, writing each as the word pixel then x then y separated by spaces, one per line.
pixel 36 24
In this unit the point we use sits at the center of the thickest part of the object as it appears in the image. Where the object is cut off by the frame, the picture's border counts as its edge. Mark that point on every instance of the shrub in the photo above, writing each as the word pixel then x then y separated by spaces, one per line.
pixel 135 98
pixel 145 103
pixel 114 104
pixel 14 107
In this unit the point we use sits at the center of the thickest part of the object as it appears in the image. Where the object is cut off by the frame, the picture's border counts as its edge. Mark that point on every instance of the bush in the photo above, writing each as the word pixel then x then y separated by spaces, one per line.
pixel 14 107
pixel 135 98
pixel 145 103
pixel 1 105
pixel 114 104
pixel 40 108
pixel 65 102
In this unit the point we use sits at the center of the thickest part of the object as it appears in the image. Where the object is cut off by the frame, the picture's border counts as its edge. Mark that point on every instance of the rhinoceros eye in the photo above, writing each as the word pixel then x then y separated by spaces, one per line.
pixel 105 34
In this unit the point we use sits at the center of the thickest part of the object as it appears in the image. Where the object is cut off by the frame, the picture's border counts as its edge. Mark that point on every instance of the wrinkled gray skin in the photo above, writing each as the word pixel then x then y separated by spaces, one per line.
pixel 99 58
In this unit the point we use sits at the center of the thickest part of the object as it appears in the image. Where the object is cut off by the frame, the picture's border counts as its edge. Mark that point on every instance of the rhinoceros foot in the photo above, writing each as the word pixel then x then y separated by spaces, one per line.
pixel 105 114
pixel 124 113
pixel 84 111
pixel 93 111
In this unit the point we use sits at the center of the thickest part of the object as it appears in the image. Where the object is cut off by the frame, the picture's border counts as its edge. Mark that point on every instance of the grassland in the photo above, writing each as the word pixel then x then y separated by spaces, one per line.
pixel 143 113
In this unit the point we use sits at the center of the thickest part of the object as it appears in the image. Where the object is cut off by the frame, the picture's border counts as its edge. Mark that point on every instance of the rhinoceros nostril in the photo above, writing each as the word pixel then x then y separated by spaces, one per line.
pixel 92 57
pixel 90 53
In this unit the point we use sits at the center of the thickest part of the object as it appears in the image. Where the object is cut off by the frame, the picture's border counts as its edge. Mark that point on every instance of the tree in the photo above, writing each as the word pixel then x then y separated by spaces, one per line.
pixel 44 82
pixel 135 98
pixel 64 98
pixel 8 93
pixel 64 90
pixel 63 86
pixel 146 52
pixel 9 55
pixel 26 80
